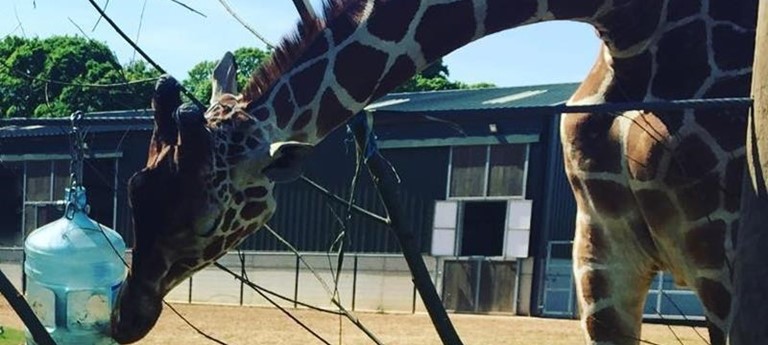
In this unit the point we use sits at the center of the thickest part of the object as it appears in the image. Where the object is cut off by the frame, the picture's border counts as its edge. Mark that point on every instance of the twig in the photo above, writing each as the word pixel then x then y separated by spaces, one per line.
pixel 190 8
pixel 142 53
pixel 244 24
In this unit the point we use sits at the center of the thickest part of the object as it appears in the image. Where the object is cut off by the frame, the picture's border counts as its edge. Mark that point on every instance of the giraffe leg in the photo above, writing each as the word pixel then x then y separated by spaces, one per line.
pixel 716 335
pixel 611 288
pixel 716 299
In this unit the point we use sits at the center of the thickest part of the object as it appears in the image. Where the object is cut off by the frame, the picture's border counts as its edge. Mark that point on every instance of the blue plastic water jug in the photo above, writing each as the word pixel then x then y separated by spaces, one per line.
pixel 74 268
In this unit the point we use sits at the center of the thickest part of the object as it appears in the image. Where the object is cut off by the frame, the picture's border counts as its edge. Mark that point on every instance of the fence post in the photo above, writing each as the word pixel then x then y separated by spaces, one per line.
pixel 354 284
pixel 296 283
pixel 750 273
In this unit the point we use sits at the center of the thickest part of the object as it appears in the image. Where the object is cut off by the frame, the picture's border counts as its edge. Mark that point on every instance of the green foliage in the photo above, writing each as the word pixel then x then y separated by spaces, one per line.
pixel 55 76
pixel 10 336
pixel 435 78
pixel 199 79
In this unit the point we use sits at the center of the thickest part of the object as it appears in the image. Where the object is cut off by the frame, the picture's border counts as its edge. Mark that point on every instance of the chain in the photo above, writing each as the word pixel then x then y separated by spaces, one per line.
pixel 75 195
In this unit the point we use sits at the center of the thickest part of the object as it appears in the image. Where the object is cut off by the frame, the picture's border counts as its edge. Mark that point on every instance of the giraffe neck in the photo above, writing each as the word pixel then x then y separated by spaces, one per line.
pixel 373 46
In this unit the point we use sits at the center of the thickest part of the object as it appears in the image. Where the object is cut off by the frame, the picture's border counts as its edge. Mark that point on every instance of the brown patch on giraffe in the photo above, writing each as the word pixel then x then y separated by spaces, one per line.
pixel 345 25
pixel 252 142
pixel 256 192
pixel 233 238
pixel 235 150
pixel 389 20
pixel 283 105
pixel 213 250
pixel 734 235
pixel 318 47
pixel 630 24
pixel 401 70
pixel 609 198
pixel 645 146
pixel 657 208
pixel 261 113
pixel 504 14
pixel 705 244
pixel 631 76
pixel 732 86
pixel 332 113
pixel 691 160
pixel 681 60
pixel 595 245
pixel 607 326
pixel 568 9
pixel 220 177
pixel 730 47
pixel 727 126
pixel 238 197
pixel 253 209
pixel 237 137
pixel 229 216
pixel 595 144
pixel 302 120
pixel 734 175
pixel 742 13
pixel 595 286
pixel 306 84
pixel 681 9
pixel 445 27
pixel 714 296
pixel 701 198
pixel 359 79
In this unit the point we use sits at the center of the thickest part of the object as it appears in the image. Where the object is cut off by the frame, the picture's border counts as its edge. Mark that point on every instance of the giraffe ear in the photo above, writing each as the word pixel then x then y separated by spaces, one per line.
pixel 287 160
pixel 224 78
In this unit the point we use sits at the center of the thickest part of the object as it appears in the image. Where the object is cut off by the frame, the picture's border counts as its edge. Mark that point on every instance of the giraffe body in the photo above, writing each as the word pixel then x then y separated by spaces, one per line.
pixel 654 190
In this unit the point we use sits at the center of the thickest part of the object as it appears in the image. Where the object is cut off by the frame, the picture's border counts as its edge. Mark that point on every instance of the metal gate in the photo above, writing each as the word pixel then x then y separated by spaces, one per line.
pixel 479 285
pixel 665 300
pixel 558 299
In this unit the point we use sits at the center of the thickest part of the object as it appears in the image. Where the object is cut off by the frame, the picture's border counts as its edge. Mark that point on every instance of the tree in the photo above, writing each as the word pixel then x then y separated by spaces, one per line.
pixel 435 78
pixel 199 79
pixel 58 75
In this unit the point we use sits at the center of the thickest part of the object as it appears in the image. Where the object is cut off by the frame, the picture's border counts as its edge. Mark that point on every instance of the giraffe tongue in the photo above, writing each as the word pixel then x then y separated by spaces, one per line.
pixel 137 312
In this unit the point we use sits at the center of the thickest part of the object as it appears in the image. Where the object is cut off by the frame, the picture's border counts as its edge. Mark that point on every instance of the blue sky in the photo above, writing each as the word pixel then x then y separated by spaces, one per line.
pixel 177 38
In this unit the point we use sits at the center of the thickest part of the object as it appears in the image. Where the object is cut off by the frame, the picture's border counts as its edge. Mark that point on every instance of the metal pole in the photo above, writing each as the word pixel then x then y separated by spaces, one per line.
pixel 387 183
pixel 296 283
pixel 189 296
pixel 354 283
pixel 19 304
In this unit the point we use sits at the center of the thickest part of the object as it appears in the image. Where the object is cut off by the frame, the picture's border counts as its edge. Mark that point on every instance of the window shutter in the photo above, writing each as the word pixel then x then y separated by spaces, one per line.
pixel 444 228
pixel 518 228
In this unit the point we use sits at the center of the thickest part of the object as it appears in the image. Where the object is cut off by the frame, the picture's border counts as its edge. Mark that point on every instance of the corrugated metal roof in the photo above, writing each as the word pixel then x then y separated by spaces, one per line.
pixel 96 122
pixel 476 99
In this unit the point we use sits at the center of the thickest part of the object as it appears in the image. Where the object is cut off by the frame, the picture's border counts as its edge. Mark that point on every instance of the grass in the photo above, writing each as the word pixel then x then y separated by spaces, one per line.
pixel 11 336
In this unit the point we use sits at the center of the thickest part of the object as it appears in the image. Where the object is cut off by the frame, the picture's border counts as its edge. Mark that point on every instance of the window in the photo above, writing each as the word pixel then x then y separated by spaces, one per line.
pixel 33 191
pixel 488 171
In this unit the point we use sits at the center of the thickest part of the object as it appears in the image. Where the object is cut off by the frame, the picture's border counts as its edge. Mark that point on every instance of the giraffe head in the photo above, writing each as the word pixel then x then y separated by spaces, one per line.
pixel 207 184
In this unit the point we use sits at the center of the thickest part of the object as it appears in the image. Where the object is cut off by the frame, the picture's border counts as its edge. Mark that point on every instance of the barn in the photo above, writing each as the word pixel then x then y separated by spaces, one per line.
pixel 482 184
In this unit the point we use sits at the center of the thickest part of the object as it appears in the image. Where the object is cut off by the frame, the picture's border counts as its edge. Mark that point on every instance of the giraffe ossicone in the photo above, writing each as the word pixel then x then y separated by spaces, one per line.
pixel 654 190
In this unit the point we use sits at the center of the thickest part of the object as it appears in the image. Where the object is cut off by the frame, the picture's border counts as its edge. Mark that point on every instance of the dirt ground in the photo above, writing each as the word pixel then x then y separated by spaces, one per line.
pixel 248 325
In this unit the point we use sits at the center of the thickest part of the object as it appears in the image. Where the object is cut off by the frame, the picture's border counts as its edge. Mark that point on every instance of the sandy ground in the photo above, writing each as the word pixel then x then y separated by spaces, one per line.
pixel 251 325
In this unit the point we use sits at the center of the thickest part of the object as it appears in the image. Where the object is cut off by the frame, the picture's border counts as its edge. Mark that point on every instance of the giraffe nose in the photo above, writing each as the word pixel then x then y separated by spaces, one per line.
pixel 137 312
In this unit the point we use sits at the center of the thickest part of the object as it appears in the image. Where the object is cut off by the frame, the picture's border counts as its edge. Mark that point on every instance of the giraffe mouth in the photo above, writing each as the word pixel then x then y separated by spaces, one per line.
pixel 137 311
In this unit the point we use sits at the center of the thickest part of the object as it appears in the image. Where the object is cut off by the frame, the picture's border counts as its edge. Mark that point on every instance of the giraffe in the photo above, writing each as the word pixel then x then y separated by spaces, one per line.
pixel 654 190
